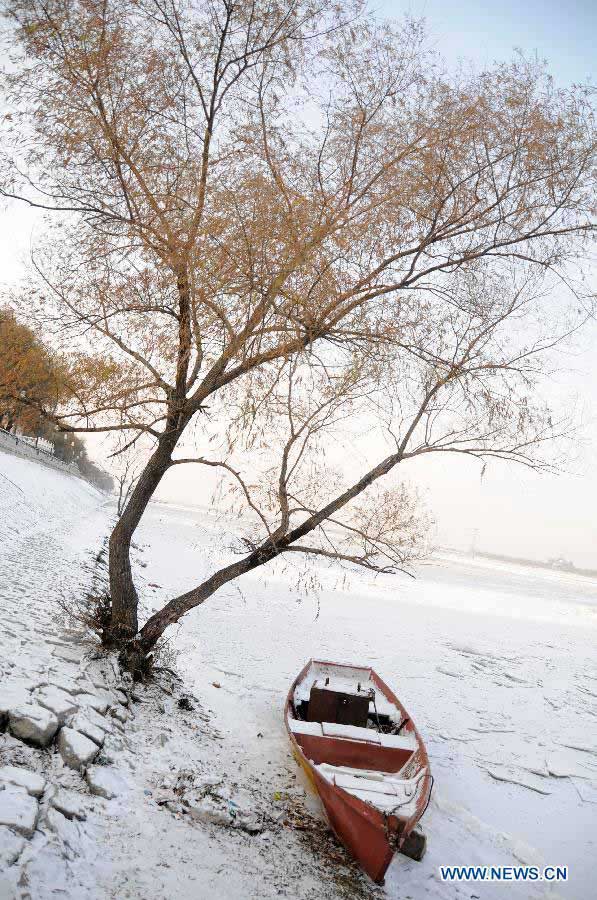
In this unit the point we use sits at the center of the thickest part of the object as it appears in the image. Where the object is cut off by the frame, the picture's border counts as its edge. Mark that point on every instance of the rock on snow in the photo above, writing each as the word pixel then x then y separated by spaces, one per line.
pixel 69 654
pixel 81 723
pixel 15 694
pixel 18 810
pixel 11 845
pixel 76 749
pixel 33 723
pixel 99 704
pixel 33 783
pixel 58 702
pixel 68 803
pixel 105 782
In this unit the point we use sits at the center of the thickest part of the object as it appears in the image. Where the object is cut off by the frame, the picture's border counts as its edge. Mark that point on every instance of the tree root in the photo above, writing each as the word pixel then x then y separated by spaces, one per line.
pixel 137 661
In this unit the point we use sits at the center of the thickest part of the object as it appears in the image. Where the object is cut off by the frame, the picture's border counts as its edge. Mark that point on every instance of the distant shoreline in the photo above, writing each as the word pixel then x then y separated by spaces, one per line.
pixel 569 569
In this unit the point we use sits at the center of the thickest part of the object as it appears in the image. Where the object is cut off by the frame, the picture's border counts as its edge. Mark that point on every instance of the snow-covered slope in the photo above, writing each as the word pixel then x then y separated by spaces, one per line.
pixel 50 524
pixel 35 497
pixel 497 665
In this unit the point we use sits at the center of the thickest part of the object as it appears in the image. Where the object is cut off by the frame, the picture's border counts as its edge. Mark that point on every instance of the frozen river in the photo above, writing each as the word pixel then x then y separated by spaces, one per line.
pixel 497 665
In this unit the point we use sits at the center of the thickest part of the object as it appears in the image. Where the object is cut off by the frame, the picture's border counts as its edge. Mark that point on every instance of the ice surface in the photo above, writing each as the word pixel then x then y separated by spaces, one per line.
pixel 503 773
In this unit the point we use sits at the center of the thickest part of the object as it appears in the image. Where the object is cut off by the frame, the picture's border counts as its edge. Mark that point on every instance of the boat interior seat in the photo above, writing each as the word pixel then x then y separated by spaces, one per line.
pixel 383 789
pixel 351 732
pixel 370 779
pixel 298 726
pixel 406 741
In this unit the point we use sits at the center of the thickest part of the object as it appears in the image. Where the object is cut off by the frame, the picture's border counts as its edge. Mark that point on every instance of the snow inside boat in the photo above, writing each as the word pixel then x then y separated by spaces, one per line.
pixel 365 757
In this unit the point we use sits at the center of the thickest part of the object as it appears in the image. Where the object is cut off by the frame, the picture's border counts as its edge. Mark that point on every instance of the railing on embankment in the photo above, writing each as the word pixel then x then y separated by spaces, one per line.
pixel 26 447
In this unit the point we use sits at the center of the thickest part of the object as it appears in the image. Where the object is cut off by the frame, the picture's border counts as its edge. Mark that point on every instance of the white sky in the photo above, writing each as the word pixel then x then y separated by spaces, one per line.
pixel 511 510
pixel 514 511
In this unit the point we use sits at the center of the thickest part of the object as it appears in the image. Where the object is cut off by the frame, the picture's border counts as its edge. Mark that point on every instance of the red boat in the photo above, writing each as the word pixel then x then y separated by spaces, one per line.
pixel 365 757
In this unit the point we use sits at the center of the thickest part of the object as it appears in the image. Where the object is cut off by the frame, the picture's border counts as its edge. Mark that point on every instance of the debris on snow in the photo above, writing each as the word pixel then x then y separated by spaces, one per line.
pixel 209 809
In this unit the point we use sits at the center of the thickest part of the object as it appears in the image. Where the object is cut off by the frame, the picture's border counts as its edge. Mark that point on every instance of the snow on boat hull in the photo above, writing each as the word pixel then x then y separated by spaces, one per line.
pixel 374 784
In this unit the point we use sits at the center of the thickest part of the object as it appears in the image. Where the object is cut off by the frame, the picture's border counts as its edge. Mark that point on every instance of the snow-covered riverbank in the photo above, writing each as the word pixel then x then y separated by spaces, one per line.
pixel 496 664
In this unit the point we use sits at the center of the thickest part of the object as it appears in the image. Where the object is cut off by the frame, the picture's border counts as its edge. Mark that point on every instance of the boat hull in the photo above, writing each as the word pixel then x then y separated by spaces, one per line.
pixel 371 836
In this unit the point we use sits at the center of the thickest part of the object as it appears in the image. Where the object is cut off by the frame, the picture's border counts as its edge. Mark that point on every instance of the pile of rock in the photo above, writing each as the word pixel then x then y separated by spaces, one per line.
pixel 58 728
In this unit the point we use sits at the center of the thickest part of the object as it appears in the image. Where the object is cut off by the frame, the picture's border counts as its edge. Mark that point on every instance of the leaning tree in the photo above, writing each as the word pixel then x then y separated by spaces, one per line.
pixel 277 222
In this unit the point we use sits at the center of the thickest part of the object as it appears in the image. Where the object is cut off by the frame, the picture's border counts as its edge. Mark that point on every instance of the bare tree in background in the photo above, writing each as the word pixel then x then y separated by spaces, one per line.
pixel 126 473
pixel 276 220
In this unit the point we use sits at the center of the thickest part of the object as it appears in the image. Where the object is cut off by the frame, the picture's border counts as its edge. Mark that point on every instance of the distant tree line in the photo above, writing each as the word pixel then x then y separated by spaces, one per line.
pixel 34 381
pixel 32 378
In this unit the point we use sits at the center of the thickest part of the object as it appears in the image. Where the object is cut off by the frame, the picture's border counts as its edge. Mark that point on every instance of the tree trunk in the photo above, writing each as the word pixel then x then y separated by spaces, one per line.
pixel 124 622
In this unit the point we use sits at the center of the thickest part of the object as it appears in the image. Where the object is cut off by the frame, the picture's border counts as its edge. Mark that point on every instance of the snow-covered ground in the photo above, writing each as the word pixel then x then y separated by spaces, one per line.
pixel 497 665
